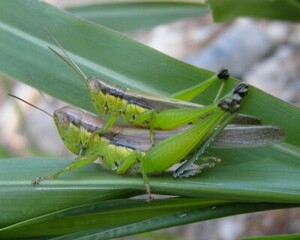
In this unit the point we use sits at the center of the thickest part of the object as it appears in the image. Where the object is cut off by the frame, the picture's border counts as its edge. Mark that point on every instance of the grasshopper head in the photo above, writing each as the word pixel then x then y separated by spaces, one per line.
pixel 98 90
pixel 68 121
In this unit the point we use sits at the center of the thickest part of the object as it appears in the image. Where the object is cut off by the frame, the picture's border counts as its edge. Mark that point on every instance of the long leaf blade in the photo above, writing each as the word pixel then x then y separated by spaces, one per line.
pixel 268 174
pixel 276 9
pixel 136 15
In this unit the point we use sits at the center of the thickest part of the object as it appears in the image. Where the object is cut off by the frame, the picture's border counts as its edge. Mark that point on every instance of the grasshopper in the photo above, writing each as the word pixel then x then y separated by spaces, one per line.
pixel 141 108
pixel 75 129
pixel 127 149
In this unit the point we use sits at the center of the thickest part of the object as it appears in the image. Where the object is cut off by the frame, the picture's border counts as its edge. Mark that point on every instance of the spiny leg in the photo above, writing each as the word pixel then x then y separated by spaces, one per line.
pixel 203 146
pixel 230 105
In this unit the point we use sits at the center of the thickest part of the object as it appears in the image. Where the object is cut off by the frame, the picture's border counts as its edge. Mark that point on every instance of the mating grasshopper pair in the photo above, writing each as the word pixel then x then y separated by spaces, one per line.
pixel 120 146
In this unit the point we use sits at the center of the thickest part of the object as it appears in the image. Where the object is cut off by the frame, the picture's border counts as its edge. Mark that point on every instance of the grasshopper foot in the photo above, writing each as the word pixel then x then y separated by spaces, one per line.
pixel 193 169
pixel 150 197
pixel 36 181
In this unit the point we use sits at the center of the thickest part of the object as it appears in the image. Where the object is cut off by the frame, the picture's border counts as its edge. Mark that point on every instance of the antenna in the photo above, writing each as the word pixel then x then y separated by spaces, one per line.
pixel 66 58
pixel 30 104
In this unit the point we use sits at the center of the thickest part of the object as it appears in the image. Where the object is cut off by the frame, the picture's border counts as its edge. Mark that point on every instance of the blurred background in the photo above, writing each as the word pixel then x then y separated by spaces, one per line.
pixel 265 54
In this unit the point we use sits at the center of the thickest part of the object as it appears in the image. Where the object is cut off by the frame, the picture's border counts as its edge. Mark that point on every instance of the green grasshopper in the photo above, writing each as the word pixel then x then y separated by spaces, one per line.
pixel 127 149
pixel 144 109
pixel 75 131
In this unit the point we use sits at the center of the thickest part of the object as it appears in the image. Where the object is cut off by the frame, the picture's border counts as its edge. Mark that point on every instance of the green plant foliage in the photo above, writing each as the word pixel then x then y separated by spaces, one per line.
pixel 288 10
pixel 278 237
pixel 270 175
pixel 137 15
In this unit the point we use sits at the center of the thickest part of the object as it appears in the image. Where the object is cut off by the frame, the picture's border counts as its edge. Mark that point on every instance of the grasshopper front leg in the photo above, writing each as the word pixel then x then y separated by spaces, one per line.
pixel 77 163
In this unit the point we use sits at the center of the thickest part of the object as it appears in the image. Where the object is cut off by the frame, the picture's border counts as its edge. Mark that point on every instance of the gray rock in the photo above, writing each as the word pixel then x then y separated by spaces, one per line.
pixel 240 46
pixel 277 73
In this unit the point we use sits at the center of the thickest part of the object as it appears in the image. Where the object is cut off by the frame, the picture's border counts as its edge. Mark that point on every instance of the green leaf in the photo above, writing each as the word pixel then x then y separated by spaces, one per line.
pixel 172 219
pixel 276 9
pixel 85 200
pixel 278 237
pixel 264 175
pixel 136 15
pixel 63 201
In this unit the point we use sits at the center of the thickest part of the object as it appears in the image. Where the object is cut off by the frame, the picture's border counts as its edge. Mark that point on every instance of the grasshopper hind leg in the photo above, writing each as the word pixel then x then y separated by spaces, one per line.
pixel 229 105
pixel 192 92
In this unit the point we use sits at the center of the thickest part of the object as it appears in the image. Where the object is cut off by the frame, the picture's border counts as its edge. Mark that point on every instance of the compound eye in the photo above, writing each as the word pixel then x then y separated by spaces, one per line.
pixel 94 85
pixel 63 120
